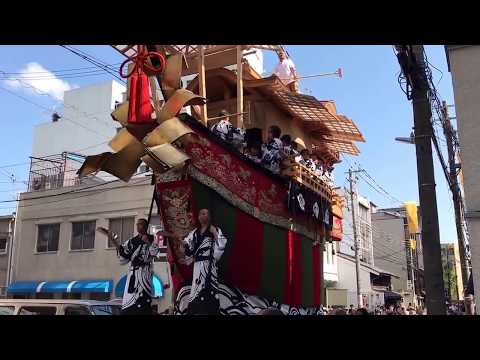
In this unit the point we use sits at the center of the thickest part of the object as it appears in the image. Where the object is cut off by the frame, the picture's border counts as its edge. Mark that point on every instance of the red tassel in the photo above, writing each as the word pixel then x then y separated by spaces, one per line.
pixel 132 105
pixel 140 108
pixel 144 107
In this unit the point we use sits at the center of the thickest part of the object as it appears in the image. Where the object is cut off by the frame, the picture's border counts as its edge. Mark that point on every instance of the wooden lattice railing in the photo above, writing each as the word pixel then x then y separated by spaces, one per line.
pixel 306 177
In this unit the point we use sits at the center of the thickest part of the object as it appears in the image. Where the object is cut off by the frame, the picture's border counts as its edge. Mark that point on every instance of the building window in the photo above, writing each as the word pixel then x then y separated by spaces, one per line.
pixel 48 235
pixel 83 235
pixel 123 227
pixel 3 246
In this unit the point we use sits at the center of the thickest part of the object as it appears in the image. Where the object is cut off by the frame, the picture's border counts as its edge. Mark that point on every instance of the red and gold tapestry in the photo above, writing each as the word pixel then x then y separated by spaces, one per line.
pixel 175 198
pixel 254 187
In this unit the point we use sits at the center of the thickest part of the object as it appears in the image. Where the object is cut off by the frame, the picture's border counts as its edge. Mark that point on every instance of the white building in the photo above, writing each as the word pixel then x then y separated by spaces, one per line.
pixel 86 125
pixel 343 290
pixel 55 244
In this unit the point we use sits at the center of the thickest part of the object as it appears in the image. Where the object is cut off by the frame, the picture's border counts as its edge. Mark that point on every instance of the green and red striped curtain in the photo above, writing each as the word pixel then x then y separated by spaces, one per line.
pixel 262 259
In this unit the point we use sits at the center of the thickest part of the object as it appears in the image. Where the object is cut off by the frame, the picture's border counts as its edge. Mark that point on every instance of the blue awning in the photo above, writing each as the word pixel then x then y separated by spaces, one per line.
pixel 67 286
pixel 55 287
pixel 104 286
pixel 23 287
pixel 157 286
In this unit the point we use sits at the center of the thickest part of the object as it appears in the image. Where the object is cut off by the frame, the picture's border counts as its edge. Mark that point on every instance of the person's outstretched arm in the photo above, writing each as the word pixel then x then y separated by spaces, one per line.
pixel 220 242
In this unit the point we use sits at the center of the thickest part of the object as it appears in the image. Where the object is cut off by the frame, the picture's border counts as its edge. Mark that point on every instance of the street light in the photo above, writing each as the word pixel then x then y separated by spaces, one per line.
pixel 407 140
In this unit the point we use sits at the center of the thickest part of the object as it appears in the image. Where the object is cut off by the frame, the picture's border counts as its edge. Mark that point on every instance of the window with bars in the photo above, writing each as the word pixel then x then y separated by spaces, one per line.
pixel 48 235
pixel 123 227
pixel 83 235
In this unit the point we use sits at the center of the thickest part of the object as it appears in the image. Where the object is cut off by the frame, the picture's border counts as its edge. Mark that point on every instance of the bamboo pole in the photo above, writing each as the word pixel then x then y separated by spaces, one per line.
pixel 201 83
pixel 239 86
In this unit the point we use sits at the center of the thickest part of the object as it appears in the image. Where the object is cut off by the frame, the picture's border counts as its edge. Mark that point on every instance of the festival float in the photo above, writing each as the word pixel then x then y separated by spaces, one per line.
pixel 276 224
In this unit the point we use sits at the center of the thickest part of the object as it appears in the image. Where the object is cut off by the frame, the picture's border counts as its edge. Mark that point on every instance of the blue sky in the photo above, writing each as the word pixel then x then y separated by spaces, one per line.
pixel 368 93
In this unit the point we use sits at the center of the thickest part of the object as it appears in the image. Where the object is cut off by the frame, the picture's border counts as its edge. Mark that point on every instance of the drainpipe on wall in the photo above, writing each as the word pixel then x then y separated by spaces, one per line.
pixel 11 246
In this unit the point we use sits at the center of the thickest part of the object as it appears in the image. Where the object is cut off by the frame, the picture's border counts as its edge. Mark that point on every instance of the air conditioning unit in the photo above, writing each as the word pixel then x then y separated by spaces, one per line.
pixel 38 183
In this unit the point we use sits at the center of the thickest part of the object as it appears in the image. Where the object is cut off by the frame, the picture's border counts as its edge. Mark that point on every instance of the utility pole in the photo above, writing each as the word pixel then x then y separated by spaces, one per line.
pixel 457 197
pixel 355 239
pixel 434 286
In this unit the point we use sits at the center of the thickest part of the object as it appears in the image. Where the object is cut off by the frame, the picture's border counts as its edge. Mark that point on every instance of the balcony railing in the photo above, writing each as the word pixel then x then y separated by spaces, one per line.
pixel 55 172
pixel 306 177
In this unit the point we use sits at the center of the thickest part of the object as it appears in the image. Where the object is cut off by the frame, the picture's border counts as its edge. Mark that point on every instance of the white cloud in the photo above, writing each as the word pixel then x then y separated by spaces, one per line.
pixel 41 79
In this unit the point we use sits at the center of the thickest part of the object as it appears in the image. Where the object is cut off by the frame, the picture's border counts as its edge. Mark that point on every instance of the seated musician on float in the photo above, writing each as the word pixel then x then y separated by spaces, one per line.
pixel 227 132
pixel 317 165
pixel 289 147
pixel 328 175
pixel 223 127
pixel 254 152
pixel 303 158
pixel 271 150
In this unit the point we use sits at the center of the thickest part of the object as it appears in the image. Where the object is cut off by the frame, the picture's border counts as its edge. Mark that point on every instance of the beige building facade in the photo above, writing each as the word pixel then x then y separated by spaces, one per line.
pixel 6 233
pixel 55 238
pixel 464 66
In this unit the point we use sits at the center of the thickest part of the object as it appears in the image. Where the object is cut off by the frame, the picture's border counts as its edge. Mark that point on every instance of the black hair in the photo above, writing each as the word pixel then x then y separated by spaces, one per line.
pixel 286 139
pixel 275 130
pixel 144 220
pixel 363 311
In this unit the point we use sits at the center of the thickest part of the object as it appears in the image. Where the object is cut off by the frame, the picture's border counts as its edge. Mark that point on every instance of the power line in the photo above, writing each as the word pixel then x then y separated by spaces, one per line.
pixel 95 192
pixel 69 151
pixel 380 187
pixel 44 108
pixel 74 191
pixel 386 260
pixel 65 70
pixel 379 235
pixel 396 260
pixel 92 60
pixel 42 93
pixel 25 99
pixel 14 165
pixel 378 191
pixel 27 76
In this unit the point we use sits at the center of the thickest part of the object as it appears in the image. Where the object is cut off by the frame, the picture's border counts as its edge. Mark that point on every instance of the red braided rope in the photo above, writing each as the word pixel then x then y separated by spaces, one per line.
pixel 141 62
